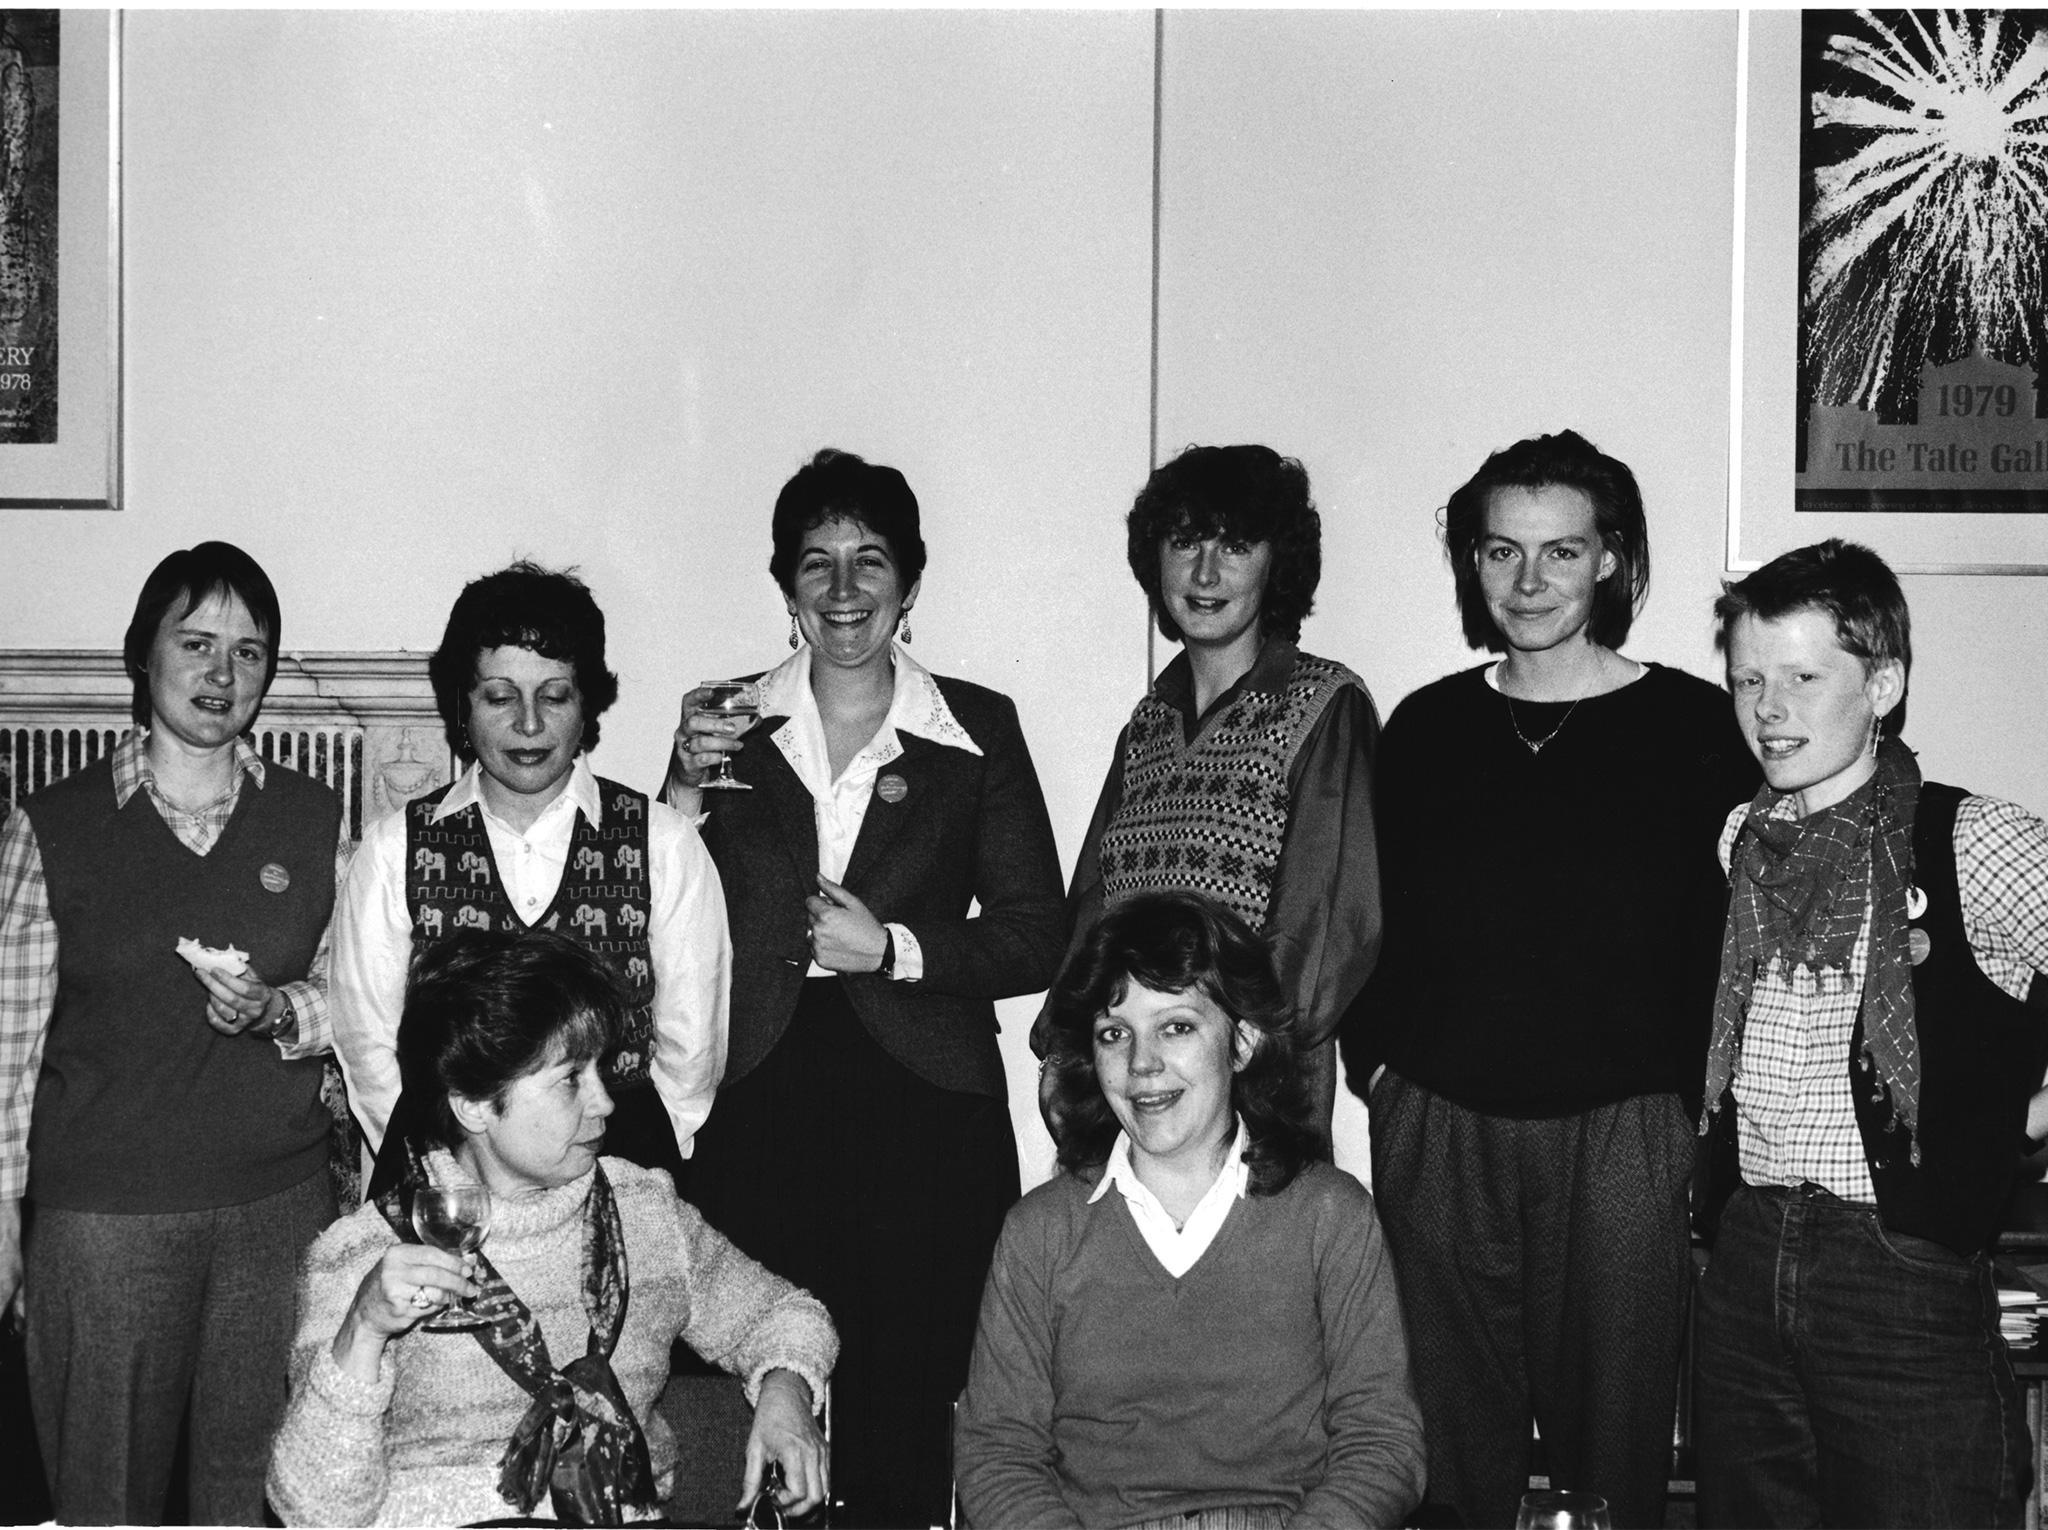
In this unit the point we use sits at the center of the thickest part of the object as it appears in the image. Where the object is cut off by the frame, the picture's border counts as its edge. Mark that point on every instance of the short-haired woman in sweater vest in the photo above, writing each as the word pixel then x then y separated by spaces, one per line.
pixel 165 1120
pixel 1554 904
pixel 589 1271
pixel 1219 1341
pixel 1245 773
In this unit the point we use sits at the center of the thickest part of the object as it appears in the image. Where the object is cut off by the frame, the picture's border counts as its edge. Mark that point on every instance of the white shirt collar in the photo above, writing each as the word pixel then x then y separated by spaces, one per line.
pixel 916 706
pixel 580 793
pixel 1234 1181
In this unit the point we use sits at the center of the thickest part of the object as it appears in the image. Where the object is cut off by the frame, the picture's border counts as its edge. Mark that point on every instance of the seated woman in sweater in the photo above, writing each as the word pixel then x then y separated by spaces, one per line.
pixel 590 1269
pixel 1195 1319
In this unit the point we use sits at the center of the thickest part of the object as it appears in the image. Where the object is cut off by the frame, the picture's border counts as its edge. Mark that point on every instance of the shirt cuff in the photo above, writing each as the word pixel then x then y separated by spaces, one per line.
pixel 909 954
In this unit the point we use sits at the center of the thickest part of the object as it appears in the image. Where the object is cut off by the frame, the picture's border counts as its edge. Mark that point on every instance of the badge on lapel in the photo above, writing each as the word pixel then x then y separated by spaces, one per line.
pixel 892 789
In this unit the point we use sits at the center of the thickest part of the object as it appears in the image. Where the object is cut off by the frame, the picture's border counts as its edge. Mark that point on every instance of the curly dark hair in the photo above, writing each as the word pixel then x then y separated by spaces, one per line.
pixel 195 575
pixel 1251 493
pixel 1172 942
pixel 1853 585
pixel 836 485
pixel 524 606
pixel 484 1008
pixel 1566 460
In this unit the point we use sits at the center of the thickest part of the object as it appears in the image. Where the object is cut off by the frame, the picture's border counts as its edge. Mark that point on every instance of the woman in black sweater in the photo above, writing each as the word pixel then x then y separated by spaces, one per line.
pixel 1553 914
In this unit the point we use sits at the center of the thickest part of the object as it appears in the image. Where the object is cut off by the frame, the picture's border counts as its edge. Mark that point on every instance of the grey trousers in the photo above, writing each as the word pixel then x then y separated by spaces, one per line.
pixel 136 1322
pixel 1544 1267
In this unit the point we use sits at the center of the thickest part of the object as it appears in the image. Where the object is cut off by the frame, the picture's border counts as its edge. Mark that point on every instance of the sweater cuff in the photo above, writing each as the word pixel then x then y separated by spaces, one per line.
pixel 809 1374
pixel 347 1394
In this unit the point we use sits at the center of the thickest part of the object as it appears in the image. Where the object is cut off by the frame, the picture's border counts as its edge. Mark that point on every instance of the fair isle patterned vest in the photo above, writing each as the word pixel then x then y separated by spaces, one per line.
pixel 1209 817
pixel 452 883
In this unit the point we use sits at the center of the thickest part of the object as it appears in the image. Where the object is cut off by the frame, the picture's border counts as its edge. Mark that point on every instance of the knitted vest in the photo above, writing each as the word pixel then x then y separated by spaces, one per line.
pixel 1209 816
pixel 141 1106
pixel 452 883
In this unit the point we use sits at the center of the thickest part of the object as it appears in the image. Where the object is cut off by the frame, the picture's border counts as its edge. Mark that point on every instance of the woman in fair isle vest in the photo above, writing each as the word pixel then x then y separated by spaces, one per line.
pixel 1245 773
pixel 530 837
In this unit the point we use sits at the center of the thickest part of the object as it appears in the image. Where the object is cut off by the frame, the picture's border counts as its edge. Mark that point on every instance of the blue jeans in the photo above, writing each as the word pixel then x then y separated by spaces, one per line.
pixel 1850 1375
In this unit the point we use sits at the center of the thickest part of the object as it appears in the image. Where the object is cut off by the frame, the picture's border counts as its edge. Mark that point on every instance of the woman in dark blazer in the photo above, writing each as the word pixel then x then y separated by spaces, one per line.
pixel 860 1144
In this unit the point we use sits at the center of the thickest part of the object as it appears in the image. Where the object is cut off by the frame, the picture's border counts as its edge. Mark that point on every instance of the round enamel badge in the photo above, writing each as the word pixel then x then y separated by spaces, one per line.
pixel 892 789
pixel 274 877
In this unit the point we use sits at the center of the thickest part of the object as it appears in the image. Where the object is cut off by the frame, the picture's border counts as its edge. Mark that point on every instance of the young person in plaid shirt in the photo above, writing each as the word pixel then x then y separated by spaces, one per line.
pixel 163 1146
pixel 1872 1083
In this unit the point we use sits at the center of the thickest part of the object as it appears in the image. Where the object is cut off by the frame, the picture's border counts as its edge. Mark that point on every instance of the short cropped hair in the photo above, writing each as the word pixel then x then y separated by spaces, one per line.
pixel 1251 493
pixel 1852 584
pixel 484 1008
pixel 1565 460
pixel 525 606
pixel 188 579
pixel 1172 942
pixel 836 486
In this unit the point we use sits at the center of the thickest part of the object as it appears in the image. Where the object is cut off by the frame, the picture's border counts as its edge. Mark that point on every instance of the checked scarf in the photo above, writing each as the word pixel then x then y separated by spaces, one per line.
pixel 1798 889
pixel 578 1440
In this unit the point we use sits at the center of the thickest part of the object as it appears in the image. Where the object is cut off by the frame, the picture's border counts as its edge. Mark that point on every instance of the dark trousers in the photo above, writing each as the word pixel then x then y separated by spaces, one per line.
pixel 882 1195
pixel 1847 1375
pixel 137 1324
pixel 1543 1267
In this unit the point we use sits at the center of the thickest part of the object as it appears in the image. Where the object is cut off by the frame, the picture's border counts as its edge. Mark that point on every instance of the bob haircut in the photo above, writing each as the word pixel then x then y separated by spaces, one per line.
pixel 838 486
pixel 1852 584
pixel 1566 460
pixel 188 579
pixel 524 606
pixel 1173 942
pixel 484 1008
pixel 1250 493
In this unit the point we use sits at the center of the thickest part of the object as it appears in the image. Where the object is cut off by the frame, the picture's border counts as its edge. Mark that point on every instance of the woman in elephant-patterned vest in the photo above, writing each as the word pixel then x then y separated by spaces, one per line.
pixel 530 837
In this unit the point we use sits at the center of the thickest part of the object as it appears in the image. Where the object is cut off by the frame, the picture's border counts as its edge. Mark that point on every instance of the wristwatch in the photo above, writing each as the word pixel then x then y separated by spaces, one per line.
pixel 286 1025
pixel 888 967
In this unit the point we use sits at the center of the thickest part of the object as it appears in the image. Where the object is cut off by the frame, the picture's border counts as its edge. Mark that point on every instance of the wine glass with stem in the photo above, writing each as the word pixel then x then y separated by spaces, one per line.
pixel 455 1218
pixel 739 699
pixel 1558 1509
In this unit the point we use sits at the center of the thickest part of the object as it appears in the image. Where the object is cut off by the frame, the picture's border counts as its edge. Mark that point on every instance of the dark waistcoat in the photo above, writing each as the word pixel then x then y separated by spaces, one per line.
pixel 141 1106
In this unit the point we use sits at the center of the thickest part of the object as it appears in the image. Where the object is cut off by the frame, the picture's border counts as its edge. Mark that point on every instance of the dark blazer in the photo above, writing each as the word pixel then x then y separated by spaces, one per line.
pixel 966 829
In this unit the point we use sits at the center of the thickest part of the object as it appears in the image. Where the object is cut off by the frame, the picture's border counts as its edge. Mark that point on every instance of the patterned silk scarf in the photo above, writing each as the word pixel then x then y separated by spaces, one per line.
pixel 578 1440
pixel 1798 888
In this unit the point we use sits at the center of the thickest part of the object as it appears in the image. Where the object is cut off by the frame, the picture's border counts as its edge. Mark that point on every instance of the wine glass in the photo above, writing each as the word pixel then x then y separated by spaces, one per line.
pixel 453 1217
pixel 729 698
pixel 1558 1510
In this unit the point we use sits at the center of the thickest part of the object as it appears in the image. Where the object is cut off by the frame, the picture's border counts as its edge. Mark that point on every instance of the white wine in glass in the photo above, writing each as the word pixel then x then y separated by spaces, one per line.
pixel 455 1218
pixel 729 698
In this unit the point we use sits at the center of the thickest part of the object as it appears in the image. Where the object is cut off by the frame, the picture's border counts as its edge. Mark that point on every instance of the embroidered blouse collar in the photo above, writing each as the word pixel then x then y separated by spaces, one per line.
pixel 917 707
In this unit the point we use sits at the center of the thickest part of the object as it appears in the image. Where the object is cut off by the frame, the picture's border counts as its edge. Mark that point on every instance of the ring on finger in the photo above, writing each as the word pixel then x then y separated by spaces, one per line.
pixel 421 1298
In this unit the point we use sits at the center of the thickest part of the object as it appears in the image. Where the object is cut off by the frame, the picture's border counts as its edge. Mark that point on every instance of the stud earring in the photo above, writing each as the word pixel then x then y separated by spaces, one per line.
pixel 903 626
pixel 792 629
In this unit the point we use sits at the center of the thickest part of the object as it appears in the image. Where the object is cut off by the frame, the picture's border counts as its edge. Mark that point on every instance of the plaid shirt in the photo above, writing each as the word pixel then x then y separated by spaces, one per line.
pixel 1798 1121
pixel 28 945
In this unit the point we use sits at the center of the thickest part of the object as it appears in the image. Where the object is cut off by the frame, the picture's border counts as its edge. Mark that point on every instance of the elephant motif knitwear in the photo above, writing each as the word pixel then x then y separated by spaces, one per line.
pixel 1209 815
pixel 452 883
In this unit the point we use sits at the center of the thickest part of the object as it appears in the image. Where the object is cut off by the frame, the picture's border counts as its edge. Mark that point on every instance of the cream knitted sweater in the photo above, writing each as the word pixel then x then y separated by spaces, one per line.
pixel 421 1444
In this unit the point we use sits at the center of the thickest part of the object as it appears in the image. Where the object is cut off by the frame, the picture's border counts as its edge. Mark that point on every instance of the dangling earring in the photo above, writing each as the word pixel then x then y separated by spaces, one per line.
pixel 1876 733
pixel 792 629
pixel 903 626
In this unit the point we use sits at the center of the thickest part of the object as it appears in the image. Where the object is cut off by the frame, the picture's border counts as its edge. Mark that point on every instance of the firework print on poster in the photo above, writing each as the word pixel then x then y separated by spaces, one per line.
pixel 28 226
pixel 1923 261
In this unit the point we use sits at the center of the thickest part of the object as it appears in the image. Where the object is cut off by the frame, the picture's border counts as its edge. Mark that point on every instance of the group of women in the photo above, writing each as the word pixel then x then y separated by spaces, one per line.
pixel 781 992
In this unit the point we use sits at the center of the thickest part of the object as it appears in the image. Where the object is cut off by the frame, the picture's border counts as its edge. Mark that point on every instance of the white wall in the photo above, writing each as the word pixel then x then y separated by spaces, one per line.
pixel 1398 241
pixel 410 294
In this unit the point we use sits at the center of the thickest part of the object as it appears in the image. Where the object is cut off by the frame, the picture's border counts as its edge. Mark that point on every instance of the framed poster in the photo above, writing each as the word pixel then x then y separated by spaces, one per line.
pixel 60 260
pixel 1896 165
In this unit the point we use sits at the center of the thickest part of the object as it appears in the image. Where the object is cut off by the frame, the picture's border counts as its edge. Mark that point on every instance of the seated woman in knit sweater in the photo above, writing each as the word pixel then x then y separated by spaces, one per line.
pixel 1219 1340
pixel 590 1269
